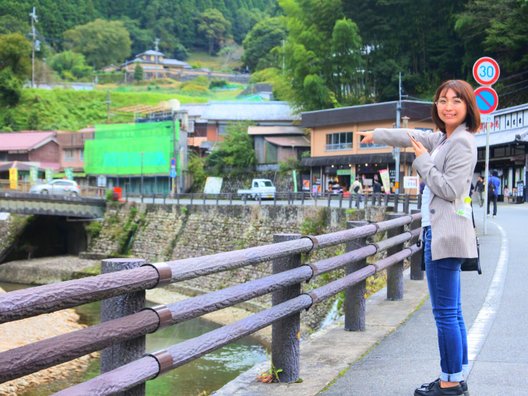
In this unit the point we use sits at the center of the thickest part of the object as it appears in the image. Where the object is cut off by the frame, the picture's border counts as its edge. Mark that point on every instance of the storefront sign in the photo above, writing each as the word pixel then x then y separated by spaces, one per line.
pixel 411 182
pixel 384 174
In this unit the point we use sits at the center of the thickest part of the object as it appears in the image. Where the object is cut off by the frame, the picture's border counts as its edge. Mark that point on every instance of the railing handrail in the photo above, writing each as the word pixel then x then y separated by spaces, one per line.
pixel 24 303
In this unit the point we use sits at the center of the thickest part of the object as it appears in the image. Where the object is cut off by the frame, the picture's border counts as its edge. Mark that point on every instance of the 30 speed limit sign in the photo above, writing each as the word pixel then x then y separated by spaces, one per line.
pixel 486 71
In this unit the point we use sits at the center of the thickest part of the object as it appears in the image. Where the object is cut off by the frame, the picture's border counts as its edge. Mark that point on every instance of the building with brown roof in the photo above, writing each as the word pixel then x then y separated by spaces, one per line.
pixel 336 152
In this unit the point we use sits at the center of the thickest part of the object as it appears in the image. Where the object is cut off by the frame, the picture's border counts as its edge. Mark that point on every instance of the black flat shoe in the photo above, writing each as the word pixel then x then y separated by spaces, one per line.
pixel 463 384
pixel 434 389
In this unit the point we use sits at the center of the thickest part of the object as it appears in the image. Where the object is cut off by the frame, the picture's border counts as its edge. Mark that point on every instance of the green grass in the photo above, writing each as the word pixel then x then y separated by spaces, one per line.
pixel 64 109
pixel 218 63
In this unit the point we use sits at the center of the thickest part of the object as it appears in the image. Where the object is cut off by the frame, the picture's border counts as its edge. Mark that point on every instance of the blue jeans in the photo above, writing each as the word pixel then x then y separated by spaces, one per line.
pixel 443 279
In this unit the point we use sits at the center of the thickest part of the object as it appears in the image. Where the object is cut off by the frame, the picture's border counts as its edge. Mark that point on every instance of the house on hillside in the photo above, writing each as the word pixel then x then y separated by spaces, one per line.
pixel 275 144
pixel 209 121
pixel 154 65
pixel 337 156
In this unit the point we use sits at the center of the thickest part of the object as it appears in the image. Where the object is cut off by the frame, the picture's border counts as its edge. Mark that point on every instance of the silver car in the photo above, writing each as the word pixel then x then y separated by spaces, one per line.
pixel 57 187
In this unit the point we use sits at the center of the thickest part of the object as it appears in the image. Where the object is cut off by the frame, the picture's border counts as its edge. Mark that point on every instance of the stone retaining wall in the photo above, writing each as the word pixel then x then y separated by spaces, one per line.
pixel 172 232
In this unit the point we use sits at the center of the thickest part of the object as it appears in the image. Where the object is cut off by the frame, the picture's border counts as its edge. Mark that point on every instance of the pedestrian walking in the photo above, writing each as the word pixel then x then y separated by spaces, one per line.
pixel 445 160
pixel 479 188
pixel 493 191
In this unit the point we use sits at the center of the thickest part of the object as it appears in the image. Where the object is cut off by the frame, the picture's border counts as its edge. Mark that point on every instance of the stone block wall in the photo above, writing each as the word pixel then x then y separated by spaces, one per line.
pixel 172 232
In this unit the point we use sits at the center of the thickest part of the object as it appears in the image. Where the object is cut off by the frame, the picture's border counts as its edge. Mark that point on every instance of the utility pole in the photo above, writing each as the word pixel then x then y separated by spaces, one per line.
pixel 34 20
pixel 396 152
pixel 108 101
pixel 156 48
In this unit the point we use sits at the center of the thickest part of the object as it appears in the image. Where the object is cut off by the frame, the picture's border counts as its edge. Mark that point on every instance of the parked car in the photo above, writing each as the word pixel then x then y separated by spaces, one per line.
pixel 262 188
pixel 57 187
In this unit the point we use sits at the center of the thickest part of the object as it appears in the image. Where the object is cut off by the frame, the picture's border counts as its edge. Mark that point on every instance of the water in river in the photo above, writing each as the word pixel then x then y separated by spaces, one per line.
pixel 199 377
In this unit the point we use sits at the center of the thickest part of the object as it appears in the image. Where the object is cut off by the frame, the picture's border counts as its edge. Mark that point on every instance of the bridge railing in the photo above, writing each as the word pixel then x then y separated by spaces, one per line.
pixel 398 201
pixel 125 324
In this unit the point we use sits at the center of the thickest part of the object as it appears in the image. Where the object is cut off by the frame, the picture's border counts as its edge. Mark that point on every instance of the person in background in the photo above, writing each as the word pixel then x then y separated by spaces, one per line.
pixel 506 194
pixel 493 191
pixel 479 188
pixel 376 185
pixel 356 187
pixel 445 160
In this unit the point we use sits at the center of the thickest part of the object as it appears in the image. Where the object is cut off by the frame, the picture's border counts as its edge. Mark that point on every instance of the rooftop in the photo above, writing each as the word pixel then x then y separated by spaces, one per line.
pixel 25 141
pixel 242 111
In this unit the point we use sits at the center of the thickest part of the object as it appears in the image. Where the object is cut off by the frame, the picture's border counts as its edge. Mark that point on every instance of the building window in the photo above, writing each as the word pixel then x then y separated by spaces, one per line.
pixel 370 145
pixel 222 129
pixel 339 141
pixel 81 154
pixel 69 155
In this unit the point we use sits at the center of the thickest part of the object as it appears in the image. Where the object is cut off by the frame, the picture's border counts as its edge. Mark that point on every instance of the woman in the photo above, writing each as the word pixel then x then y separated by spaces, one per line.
pixel 445 160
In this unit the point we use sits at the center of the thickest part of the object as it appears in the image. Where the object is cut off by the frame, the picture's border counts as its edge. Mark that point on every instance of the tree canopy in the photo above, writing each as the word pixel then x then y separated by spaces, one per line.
pixel 102 43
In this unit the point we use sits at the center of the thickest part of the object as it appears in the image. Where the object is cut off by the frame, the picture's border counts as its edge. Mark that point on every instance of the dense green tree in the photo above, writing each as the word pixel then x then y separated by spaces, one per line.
pixel 498 28
pixel 261 40
pixel 10 88
pixel 15 54
pixel 235 155
pixel 214 28
pixel 101 42
pixel 70 65
pixel 346 63
pixel 138 73
pixel 10 24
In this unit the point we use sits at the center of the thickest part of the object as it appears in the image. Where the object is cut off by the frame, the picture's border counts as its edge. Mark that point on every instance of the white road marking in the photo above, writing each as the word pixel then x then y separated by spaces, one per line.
pixel 481 327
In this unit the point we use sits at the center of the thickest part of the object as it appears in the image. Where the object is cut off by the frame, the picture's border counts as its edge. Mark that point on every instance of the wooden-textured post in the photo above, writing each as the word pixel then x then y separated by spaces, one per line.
pixel 354 305
pixel 285 333
pixel 395 271
pixel 416 258
pixel 406 203
pixel 117 307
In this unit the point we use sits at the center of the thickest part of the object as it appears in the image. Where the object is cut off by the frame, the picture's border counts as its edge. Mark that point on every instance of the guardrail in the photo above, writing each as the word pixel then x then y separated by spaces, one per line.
pixel 407 201
pixel 125 321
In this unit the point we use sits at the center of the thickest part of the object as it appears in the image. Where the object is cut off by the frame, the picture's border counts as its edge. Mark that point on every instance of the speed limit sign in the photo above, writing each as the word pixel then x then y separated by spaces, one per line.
pixel 486 71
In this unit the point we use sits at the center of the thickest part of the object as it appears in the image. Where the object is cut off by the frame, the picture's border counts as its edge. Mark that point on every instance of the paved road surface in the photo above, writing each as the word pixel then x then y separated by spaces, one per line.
pixel 495 305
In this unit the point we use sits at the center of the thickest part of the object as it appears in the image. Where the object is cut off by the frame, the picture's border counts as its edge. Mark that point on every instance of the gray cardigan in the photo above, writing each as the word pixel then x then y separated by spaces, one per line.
pixel 448 177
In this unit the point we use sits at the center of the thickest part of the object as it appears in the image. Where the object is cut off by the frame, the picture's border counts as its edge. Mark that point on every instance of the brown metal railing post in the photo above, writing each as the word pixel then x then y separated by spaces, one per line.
pixel 396 201
pixel 395 271
pixel 117 307
pixel 354 305
pixel 416 259
pixel 285 343
pixel 406 203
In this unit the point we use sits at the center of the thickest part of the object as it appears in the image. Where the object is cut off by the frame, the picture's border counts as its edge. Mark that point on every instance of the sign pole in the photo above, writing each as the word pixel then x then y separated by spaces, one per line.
pixel 486 176
pixel 486 72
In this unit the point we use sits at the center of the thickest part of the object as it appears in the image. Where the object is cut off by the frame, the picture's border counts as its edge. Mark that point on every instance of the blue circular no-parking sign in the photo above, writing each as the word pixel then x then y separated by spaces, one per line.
pixel 487 99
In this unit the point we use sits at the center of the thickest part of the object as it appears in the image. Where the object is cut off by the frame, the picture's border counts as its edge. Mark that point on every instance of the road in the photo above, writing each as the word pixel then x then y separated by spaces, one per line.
pixel 495 309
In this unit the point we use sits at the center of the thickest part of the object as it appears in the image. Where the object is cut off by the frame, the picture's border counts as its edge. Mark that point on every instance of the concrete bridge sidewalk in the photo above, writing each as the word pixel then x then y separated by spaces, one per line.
pixel 398 351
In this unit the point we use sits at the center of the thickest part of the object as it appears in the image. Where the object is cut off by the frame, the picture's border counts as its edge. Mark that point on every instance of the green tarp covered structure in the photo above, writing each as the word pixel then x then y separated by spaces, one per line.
pixel 132 149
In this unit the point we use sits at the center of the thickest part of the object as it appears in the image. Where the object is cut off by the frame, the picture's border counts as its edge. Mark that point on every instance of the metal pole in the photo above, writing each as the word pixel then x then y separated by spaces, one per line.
pixel 34 19
pixel 486 173
pixel 117 307
pixel 142 176
pixel 397 149
pixel 285 343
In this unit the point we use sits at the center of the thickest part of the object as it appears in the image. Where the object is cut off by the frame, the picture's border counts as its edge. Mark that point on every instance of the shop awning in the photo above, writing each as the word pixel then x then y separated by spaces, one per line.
pixel 405 157
pixel 502 137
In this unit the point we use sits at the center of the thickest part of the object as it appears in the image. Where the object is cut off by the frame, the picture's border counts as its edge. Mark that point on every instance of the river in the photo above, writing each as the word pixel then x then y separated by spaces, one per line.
pixel 199 377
